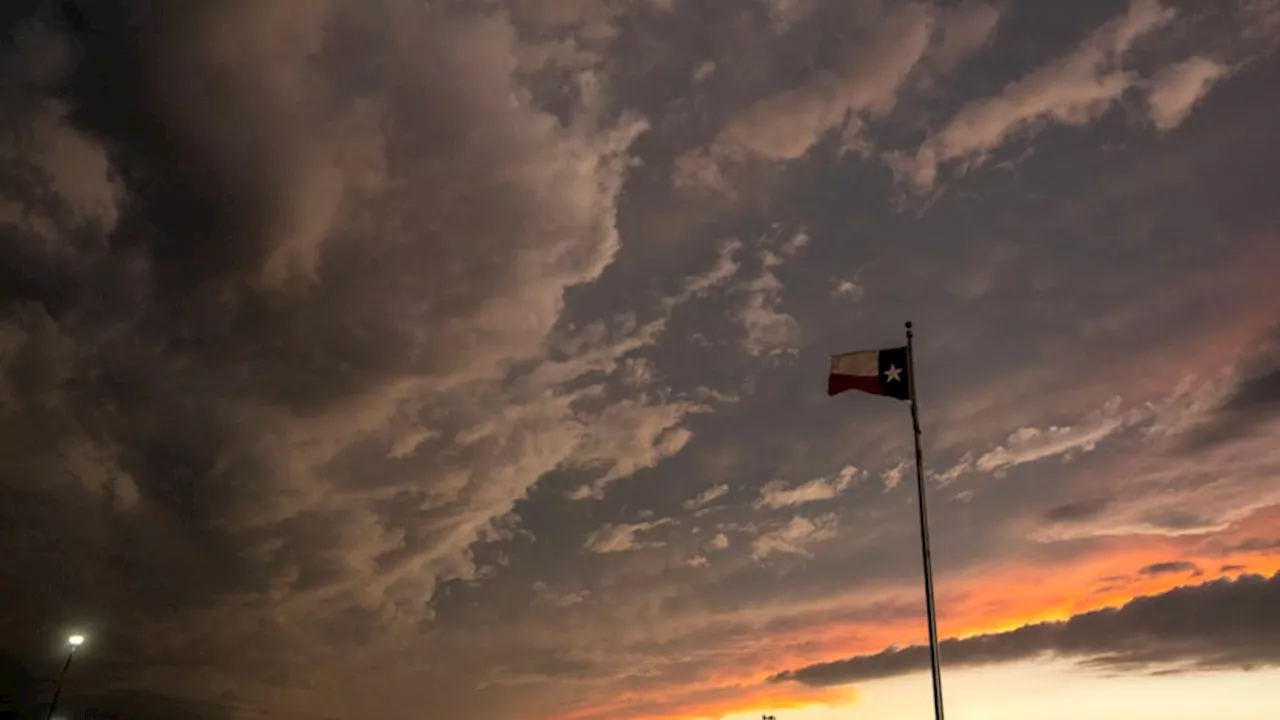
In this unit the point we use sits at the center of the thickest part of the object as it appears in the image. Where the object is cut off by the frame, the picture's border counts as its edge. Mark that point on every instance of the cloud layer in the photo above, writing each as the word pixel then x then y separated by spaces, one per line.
pixel 1218 625
pixel 267 267
pixel 359 357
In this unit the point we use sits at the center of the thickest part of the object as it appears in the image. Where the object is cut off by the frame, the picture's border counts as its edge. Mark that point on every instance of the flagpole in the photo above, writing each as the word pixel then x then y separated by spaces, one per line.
pixel 934 662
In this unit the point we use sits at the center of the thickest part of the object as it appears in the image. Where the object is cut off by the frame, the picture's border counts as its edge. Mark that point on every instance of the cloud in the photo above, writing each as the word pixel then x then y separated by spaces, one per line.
pixel 411 440
pixel 1028 444
pixel 891 477
pixel 1264 545
pixel 795 537
pixel 776 494
pixel 622 537
pixel 628 436
pixel 1189 406
pixel 963 29
pixel 1205 445
pixel 724 269
pixel 592 22
pixel 848 289
pixel 280 286
pixel 703 72
pixel 1260 19
pixel 1079 511
pixel 1174 567
pixel 1073 90
pixel 313 311
pixel 1170 492
pixel 560 600
pixel 1195 470
pixel 711 494
pixel 785 12
pixel 1175 90
pixel 649 426
pixel 1225 624
pixel 769 331
pixel 786 125
pixel 1251 404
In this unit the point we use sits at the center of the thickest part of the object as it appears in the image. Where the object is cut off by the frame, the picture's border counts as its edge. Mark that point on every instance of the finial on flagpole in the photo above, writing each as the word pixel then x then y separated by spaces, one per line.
pixel 909 331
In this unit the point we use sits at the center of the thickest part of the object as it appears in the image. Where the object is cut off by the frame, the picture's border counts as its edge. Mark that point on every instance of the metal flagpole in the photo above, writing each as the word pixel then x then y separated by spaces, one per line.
pixel 924 533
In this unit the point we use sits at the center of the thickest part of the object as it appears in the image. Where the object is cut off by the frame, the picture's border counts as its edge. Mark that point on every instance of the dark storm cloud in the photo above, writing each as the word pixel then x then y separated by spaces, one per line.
pixel 1255 402
pixel 1173 567
pixel 1222 624
pixel 237 240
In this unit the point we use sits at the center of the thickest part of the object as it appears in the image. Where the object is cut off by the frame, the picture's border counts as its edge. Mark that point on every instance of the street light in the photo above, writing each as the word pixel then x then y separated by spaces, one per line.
pixel 74 641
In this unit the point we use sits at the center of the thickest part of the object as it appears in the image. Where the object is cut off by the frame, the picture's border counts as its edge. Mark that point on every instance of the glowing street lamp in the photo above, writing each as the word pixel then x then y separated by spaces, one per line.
pixel 74 641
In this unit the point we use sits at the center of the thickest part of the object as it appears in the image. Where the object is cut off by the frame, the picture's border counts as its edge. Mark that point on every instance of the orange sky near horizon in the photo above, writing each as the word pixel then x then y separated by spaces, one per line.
pixel 991 598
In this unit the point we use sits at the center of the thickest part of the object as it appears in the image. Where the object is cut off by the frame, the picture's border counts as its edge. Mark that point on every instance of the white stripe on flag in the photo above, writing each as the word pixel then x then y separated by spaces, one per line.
pixel 862 364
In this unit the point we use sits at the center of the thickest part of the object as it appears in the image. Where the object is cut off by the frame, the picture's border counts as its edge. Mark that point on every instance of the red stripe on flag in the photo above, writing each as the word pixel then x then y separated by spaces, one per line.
pixel 839 383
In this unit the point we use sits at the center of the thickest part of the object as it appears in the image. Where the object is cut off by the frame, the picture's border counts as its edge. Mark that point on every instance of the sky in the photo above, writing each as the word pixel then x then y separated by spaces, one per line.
pixel 405 359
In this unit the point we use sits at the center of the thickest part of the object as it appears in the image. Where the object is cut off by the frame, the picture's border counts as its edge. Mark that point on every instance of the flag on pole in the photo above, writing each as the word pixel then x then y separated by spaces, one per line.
pixel 879 372
pixel 888 372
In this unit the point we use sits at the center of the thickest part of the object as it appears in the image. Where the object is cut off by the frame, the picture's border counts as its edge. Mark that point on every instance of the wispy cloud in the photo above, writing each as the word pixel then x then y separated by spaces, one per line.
pixel 1029 444
pixel 1187 412
pixel 777 494
pixel 706 497
pixel 623 537
pixel 560 600
pixel 724 269
pixel 796 536
pixel 848 289
pixel 891 476
pixel 769 331
pixel 1175 90
pixel 1073 90
pixel 786 125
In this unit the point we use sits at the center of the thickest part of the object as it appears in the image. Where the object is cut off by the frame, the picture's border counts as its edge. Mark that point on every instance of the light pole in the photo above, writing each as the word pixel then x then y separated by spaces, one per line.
pixel 75 641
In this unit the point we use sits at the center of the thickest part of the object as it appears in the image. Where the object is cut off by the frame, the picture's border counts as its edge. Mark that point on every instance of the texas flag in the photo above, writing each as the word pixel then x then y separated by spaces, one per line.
pixel 879 372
